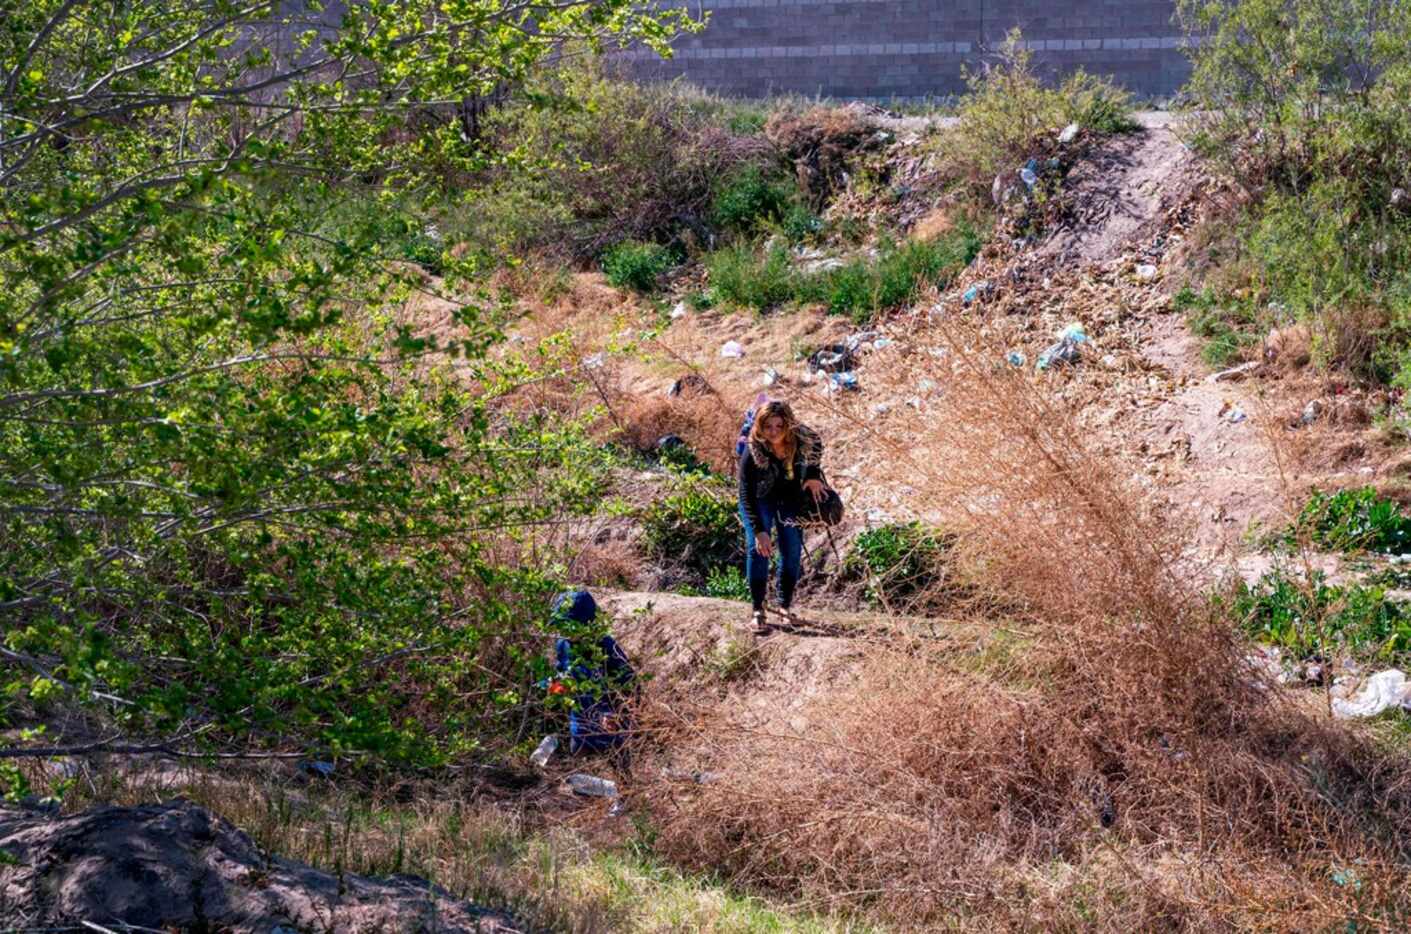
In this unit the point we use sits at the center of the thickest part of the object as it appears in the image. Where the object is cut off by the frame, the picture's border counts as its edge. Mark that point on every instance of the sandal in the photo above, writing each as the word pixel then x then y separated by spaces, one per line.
pixel 761 624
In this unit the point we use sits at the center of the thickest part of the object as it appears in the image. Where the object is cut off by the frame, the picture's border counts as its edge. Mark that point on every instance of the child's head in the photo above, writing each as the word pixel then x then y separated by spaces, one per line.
pixel 573 610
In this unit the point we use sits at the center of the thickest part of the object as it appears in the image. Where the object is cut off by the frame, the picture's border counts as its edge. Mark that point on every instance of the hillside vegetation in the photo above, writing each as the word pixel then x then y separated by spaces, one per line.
pixel 328 355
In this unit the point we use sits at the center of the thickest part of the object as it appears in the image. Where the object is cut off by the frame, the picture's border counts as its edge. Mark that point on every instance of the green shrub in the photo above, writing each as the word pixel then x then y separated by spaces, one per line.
pixel 1303 102
pixel 750 198
pixel 1312 617
pixel 901 563
pixel 741 276
pixel 1008 106
pixel 860 289
pixel 695 528
pixel 727 582
pixel 1354 520
pixel 636 265
pixel 799 223
pixel 610 160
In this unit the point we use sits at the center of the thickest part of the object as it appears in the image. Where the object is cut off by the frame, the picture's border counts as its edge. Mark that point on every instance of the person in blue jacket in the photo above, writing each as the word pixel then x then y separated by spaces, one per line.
pixel 592 667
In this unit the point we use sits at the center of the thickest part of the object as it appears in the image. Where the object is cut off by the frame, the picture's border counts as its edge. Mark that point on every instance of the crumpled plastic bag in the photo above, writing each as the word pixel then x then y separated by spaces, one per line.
pixel 1383 691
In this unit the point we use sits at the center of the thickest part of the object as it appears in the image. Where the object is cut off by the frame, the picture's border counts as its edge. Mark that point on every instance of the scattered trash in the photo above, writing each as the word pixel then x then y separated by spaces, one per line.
pixel 1346 878
pixel 834 358
pixel 1015 358
pixel 1029 174
pixel 925 385
pixel 595 361
pixel 1070 133
pixel 732 349
pixel 618 808
pixel 679 311
pixel 592 786
pixel 841 382
pixel 549 744
pixel 882 343
pixel 1269 660
pixel 1382 691
pixel 1314 672
pixel 979 290
pixel 693 384
pixel 1233 413
pixel 806 378
pixel 669 443
pixel 881 408
pixel 1311 411
pixel 862 340
pixel 1234 372
pixel 1146 272
pixel 1067 351
pixel 317 769
pixel 1398 197
pixel 1109 361
pixel 771 376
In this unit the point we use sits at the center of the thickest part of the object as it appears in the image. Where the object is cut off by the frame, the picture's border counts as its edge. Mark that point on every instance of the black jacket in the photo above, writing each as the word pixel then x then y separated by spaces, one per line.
pixel 763 478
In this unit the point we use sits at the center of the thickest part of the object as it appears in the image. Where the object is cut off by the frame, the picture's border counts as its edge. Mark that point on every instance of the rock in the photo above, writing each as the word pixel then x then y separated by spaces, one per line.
pixel 1146 272
pixel 1070 133
pixel 176 866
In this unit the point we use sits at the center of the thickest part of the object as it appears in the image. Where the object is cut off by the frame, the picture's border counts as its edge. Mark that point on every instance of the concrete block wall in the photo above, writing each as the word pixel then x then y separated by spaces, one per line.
pixel 913 49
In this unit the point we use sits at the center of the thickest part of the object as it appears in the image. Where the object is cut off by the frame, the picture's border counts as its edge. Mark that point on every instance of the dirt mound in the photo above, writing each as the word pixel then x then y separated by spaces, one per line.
pixel 1118 191
pixel 177 866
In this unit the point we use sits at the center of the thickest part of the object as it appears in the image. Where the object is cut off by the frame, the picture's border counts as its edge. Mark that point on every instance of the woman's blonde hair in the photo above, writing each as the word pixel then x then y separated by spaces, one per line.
pixel 777 408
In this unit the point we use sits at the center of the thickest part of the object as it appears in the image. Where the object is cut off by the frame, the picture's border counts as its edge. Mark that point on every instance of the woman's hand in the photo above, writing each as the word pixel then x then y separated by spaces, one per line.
pixel 764 545
pixel 815 488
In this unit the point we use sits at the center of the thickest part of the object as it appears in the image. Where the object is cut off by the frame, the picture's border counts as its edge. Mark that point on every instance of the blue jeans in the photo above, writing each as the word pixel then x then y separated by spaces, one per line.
pixel 788 545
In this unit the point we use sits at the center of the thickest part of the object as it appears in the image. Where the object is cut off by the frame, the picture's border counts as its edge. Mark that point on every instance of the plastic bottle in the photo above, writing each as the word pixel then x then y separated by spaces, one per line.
pixel 592 785
pixel 544 750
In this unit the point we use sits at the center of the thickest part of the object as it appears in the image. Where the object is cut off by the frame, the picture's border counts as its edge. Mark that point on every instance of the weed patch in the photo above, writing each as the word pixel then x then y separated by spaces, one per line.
pixel 899 563
pixel 860 290
pixel 1226 326
pixel 636 265
pixel 1312 617
pixel 695 527
pixel 1353 520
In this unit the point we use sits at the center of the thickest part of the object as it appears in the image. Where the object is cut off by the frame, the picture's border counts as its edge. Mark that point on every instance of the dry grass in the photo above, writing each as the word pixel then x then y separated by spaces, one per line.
pixel 1130 771
pixel 555 869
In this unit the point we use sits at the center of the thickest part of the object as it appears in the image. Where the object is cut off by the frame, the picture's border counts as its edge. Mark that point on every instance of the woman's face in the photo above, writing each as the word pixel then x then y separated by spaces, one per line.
pixel 772 429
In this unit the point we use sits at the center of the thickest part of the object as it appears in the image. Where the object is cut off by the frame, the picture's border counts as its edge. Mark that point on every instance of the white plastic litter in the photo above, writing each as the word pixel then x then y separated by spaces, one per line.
pixel 592 786
pixel 1382 691
pixel 544 750
pixel 679 311
pixel 1070 133
pixel 732 349
pixel 1233 373
pixel 595 361
pixel 1146 272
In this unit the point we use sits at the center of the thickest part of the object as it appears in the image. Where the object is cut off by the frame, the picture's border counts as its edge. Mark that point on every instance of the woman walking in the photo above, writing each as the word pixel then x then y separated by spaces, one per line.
pixel 782 464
